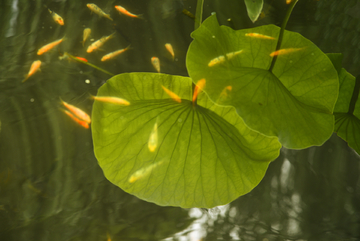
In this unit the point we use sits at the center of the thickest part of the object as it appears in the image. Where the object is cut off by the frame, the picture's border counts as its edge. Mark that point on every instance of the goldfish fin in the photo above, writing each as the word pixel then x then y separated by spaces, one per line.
pixel 108 17
pixel 25 78
pixel 92 97
pixel 112 35
pixel 140 16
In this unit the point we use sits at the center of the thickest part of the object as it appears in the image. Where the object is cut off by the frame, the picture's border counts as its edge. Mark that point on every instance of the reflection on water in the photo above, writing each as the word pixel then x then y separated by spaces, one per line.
pixel 51 187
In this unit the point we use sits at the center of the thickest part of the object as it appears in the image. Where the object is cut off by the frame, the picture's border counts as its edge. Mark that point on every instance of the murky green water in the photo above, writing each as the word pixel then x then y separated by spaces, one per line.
pixel 51 187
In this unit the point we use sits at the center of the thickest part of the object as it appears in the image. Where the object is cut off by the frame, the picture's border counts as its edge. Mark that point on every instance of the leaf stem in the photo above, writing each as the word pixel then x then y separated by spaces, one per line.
pixel 91 65
pixel 355 95
pixel 198 14
pixel 281 35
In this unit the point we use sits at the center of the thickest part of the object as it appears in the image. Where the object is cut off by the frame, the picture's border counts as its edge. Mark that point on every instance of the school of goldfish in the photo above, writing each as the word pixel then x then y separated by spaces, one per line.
pixel 96 45
pixel 76 114
pixel 83 119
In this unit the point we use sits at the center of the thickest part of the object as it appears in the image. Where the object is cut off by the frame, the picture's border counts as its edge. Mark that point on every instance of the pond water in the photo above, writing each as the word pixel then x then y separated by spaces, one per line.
pixel 51 186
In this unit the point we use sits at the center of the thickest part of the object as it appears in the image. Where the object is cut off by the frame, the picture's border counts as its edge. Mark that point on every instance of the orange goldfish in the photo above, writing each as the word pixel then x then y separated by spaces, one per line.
pixel 216 60
pixel 77 120
pixel 172 94
pixel 66 56
pixel 258 35
pixel 284 51
pixel 78 113
pixel 57 18
pixel 82 59
pixel 126 12
pixel 288 1
pixel 97 44
pixel 170 49
pixel 199 86
pixel 35 66
pixel 86 34
pixel 49 46
pixel 98 11
pixel 156 63
pixel 224 93
pixel 233 54
pixel 143 172
pixel 111 100
pixel 113 54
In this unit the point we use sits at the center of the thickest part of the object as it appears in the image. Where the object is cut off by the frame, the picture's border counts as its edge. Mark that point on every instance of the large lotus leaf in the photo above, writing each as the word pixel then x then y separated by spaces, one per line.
pixel 254 8
pixel 203 154
pixel 294 101
pixel 347 125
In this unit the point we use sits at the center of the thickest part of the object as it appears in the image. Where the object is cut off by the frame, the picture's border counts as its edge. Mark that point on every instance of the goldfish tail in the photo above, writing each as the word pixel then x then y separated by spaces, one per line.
pixel 112 35
pixel 92 97
pixel 25 78
pixel 140 16
pixel 108 16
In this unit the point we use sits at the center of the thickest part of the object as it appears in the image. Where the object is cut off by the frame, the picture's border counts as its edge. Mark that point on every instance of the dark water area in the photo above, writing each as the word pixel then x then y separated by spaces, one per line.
pixel 51 187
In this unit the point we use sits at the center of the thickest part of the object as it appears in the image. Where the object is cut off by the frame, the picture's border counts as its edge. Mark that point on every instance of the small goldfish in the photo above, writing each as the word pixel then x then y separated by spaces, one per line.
pixel 98 11
pixel 170 49
pixel 284 51
pixel 57 18
pixel 111 100
pixel 172 94
pixel 35 66
pixel 77 120
pixel 156 63
pixel 153 138
pixel 288 1
pixel 49 46
pixel 86 34
pixel 97 44
pixel 188 13
pixel 216 61
pixel 199 86
pixel 113 54
pixel 221 59
pixel 143 172
pixel 78 113
pixel 66 56
pixel 224 93
pixel 126 12
pixel 258 35
pixel 233 54
pixel 82 59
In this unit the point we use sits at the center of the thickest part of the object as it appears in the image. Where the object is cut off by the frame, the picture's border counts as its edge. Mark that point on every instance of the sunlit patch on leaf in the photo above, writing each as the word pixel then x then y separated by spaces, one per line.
pixel 294 101
pixel 203 154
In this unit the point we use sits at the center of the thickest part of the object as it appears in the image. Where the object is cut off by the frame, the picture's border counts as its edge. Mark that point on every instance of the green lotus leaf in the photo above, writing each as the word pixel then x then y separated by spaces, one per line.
pixel 254 8
pixel 176 154
pixel 347 124
pixel 294 101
